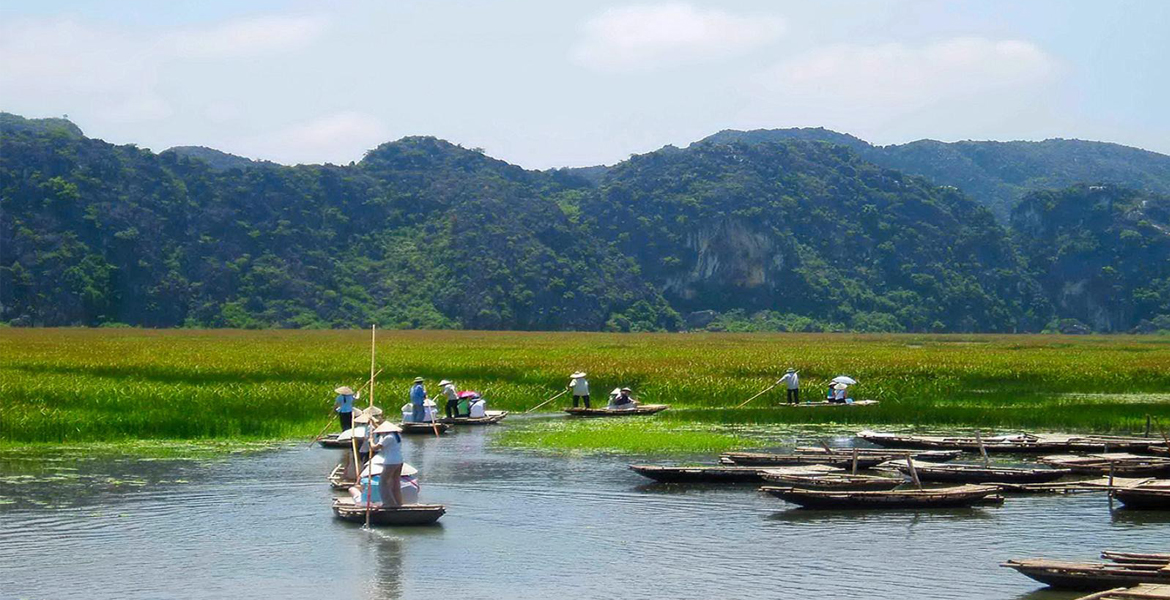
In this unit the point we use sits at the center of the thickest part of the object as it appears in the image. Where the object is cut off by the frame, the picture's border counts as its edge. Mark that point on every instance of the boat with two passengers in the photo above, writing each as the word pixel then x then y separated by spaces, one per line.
pixel 641 409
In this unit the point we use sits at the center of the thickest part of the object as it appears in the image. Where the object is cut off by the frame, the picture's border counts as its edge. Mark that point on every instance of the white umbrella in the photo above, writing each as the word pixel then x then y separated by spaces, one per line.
pixel 845 380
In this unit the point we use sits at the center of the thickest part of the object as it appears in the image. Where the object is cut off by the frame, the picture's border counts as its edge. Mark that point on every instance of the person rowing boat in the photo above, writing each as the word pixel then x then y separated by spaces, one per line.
pixel 792 379
pixel 343 406
pixel 447 389
pixel 418 397
pixel 580 388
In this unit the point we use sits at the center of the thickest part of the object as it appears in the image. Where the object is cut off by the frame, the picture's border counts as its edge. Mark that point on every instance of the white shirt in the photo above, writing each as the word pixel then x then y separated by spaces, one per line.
pixel 792 379
pixel 580 387
pixel 449 391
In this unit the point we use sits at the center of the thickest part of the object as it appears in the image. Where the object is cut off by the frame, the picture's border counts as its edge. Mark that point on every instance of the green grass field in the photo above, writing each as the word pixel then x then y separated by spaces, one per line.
pixel 77 385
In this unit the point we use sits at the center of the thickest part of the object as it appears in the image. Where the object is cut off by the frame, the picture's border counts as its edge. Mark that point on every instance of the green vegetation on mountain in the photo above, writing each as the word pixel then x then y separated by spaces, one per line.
pixel 738 234
pixel 996 174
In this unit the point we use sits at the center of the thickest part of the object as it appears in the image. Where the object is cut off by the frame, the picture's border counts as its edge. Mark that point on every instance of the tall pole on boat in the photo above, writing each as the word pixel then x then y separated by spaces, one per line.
pixel 369 429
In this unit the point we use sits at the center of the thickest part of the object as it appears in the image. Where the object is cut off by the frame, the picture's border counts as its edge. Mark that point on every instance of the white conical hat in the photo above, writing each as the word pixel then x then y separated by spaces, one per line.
pixel 578 374
pixel 344 390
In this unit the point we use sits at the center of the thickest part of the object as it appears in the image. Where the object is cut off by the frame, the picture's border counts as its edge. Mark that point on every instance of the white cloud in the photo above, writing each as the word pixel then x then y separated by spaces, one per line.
pixel 643 36
pixel 252 36
pixel 344 134
pixel 48 64
pixel 906 76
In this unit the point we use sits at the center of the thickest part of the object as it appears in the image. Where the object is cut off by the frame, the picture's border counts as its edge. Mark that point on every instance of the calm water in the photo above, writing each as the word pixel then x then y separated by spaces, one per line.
pixel 518 526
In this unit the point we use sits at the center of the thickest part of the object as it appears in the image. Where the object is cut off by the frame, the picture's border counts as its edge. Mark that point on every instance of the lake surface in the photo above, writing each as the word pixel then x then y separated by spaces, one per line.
pixel 519 525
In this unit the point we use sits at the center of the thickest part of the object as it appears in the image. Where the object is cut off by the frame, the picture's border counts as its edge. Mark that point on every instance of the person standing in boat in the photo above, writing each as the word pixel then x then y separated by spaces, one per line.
pixel 580 388
pixel 447 389
pixel 388 445
pixel 418 396
pixel 343 405
pixel 793 381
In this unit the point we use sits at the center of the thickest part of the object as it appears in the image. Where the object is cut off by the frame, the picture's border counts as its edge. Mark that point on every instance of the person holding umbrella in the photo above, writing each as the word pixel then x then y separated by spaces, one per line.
pixel 793 381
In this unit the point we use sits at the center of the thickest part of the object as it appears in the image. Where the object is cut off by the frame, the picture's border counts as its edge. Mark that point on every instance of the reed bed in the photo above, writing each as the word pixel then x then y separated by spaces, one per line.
pixel 79 385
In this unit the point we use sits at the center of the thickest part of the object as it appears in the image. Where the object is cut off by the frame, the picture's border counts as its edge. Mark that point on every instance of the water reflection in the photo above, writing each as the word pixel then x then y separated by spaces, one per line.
pixel 519 525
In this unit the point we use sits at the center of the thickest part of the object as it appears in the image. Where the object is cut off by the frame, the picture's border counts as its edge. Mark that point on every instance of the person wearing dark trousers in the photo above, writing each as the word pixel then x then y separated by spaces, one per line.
pixel 793 382
pixel 343 404
pixel 447 388
pixel 580 388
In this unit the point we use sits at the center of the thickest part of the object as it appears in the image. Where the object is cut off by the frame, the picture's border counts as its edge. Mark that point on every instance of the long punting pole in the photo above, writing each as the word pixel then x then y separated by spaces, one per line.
pixel 982 449
pixel 369 429
pixel 563 392
pixel 744 403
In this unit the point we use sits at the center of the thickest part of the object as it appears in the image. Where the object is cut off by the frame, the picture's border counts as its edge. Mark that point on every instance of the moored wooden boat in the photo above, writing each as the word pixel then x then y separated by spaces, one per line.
pixel 1145 591
pixel 948 473
pixel 1154 495
pixel 759 459
pixel 641 409
pixel 948 497
pixel 1118 463
pixel 887 453
pixel 1088 576
pixel 1136 557
pixel 833 481
pixel 408 514
pixel 827 404
pixel 411 428
pixel 718 473
pixel 1018 443
pixel 491 417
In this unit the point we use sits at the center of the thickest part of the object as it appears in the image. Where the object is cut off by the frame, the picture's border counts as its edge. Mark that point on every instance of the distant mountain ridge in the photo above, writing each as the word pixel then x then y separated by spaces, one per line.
pixel 798 232
pixel 997 174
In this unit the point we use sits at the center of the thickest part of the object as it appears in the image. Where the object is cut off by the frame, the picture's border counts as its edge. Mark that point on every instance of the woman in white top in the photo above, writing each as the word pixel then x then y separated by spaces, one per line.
pixel 389 447
pixel 580 388
pixel 447 389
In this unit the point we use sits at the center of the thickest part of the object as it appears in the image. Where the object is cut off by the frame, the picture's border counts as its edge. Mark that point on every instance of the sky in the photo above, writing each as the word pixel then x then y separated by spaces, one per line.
pixel 550 83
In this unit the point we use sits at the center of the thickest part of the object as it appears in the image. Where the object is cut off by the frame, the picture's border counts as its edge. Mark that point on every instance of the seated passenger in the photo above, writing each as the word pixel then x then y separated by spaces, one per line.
pixel 623 400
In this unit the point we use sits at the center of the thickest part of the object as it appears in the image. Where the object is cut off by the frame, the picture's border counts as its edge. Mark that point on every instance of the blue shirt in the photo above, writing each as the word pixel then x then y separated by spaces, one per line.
pixel 344 403
pixel 418 394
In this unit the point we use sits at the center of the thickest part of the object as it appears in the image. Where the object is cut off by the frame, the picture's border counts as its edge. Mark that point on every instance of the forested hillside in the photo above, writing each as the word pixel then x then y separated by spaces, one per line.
pixel 725 234
pixel 996 174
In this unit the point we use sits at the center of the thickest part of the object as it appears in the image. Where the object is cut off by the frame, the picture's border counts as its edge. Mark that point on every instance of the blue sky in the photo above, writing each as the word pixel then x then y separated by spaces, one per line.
pixel 568 83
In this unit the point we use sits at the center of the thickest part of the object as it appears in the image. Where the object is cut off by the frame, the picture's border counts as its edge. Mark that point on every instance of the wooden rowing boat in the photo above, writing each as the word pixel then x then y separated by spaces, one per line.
pixel 1154 495
pixel 948 497
pixel 827 404
pixel 936 456
pixel 490 418
pixel 757 459
pixel 641 409
pixel 1118 463
pixel 720 473
pixel 948 473
pixel 1159 450
pixel 408 514
pixel 1136 557
pixel 411 428
pixel 1145 591
pixel 1019 443
pixel 1088 576
pixel 833 481
pixel 337 481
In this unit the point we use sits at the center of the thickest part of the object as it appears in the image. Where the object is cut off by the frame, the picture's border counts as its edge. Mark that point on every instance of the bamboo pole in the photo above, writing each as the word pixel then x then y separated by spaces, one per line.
pixel 913 472
pixel 982 449
pixel 1165 438
pixel 854 470
pixel 369 429
pixel 563 392
pixel 761 393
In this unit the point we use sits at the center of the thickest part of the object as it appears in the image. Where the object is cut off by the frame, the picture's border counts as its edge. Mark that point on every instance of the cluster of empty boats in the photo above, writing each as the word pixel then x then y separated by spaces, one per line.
pixel 910 471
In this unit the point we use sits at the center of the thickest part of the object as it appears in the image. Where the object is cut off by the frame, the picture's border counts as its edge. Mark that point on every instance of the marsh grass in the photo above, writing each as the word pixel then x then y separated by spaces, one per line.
pixel 124 386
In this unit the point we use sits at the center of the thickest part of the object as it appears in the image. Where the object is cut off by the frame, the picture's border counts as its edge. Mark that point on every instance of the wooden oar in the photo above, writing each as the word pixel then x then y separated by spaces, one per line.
pixel 762 392
pixel 982 449
pixel 563 392
pixel 913 471
pixel 369 429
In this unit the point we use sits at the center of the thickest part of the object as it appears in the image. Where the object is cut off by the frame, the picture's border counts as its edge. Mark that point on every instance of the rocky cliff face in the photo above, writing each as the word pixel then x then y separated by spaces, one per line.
pixel 727 254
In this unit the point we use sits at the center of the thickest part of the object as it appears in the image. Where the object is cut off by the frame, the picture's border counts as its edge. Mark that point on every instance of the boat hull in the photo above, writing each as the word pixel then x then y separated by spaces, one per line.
pixel 1089 577
pixel 961 496
pixel 958 474
pixel 645 409
pixel 832 482
pixel 408 515
pixel 491 419
pixel 1144 499
pixel 424 428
